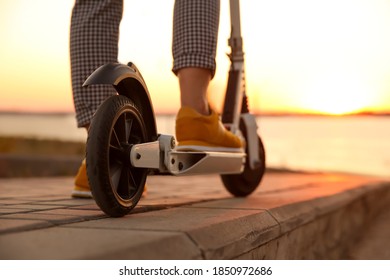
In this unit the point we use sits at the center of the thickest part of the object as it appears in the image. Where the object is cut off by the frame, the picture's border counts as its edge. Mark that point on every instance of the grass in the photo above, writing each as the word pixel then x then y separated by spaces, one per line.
pixel 34 146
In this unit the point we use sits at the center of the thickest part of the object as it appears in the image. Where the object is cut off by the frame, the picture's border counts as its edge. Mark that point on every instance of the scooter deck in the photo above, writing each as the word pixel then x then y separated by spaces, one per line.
pixel 192 163
pixel 161 155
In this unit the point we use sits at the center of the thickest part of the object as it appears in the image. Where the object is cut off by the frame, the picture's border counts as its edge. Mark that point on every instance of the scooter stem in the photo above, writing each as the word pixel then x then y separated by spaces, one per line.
pixel 235 91
pixel 235 40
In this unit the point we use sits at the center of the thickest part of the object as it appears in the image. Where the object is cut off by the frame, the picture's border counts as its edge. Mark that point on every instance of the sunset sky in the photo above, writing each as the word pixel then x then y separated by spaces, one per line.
pixel 324 56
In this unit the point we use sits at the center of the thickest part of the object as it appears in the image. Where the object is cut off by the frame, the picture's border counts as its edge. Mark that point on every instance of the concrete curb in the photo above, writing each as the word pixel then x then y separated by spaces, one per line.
pixel 323 228
pixel 308 218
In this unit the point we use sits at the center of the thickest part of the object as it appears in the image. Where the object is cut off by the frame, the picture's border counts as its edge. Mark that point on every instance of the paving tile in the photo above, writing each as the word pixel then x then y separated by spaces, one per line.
pixel 179 213
pixel 10 210
pixel 56 219
pixel 86 207
pixel 68 202
pixel 82 243
pixel 218 232
pixel 73 212
pixel 259 201
pixel 12 225
pixel 278 198
pixel 11 201
pixel 293 215
pixel 177 201
pixel 30 207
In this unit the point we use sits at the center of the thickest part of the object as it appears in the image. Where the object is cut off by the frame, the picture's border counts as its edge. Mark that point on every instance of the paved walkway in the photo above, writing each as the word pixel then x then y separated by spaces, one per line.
pixel 290 216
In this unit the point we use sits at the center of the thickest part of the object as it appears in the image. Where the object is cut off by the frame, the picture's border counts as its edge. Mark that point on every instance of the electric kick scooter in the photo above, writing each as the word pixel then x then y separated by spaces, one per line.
pixel 123 145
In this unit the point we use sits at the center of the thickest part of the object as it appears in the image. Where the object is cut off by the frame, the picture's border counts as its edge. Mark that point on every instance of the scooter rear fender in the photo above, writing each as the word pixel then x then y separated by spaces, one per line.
pixel 128 81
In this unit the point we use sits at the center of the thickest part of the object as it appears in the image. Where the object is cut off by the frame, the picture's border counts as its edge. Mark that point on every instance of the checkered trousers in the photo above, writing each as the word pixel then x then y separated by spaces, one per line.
pixel 195 34
pixel 94 35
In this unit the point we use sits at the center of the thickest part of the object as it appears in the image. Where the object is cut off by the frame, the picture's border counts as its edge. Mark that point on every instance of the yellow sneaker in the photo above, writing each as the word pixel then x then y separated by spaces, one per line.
pixel 197 132
pixel 81 185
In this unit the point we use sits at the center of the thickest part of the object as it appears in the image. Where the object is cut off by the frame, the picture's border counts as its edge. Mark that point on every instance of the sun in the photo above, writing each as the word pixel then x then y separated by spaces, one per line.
pixel 336 95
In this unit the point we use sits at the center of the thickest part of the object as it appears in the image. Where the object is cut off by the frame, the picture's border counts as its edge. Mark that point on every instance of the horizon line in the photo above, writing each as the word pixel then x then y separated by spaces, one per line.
pixel 265 114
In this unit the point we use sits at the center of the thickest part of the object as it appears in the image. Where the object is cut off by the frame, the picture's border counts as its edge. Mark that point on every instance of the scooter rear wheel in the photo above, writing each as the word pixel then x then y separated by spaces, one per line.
pixel 244 184
pixel 116 185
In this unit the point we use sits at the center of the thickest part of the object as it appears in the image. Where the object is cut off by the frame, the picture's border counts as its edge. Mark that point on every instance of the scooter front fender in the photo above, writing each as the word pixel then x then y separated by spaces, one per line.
pixel 128 81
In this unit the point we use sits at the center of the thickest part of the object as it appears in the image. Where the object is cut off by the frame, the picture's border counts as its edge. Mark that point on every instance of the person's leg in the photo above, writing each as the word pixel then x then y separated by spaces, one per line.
pixel 94 34
pixel 195 34
pixel 194 83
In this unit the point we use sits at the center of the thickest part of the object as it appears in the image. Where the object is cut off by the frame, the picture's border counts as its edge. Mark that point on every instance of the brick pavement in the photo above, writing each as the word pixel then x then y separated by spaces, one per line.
pixel 290 216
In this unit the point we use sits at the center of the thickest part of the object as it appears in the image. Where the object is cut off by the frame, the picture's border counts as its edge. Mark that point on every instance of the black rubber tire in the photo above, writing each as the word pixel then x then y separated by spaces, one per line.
pixel 116 185
pixel 244 184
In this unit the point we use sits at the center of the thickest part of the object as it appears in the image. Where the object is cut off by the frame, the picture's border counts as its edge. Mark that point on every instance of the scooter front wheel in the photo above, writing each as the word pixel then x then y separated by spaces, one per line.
pixel 116 185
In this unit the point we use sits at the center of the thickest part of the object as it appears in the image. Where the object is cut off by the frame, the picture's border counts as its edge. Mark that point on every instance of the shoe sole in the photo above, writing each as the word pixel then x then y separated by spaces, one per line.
pixel 81 194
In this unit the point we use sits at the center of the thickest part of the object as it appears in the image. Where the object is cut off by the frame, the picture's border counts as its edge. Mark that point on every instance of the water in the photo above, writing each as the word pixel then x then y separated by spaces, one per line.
pixel 353 144
pixel 348 144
